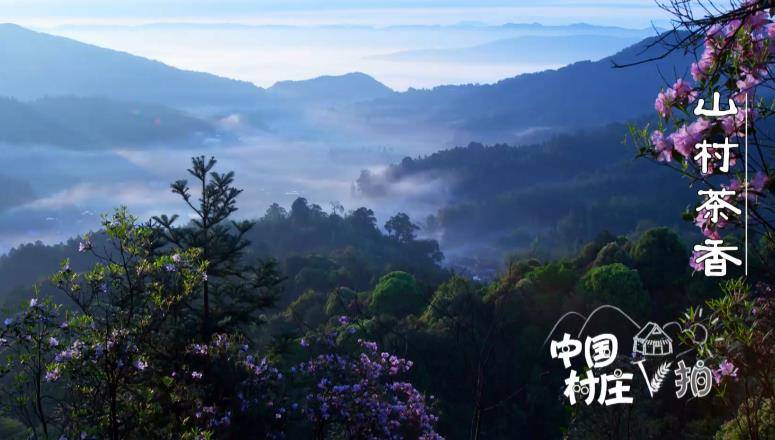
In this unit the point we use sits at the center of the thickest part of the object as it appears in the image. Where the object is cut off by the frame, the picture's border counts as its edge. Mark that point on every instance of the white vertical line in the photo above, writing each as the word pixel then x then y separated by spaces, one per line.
pixel 746 184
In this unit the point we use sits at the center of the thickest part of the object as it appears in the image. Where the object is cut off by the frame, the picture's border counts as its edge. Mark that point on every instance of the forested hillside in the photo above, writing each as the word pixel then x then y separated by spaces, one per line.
pixel 314 250
pixel 550 198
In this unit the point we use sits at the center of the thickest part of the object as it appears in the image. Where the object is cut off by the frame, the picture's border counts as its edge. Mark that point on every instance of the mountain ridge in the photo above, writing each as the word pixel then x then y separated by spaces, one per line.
pixel 554 49
pixel 349 87
pixel 31 57
pixel 593 92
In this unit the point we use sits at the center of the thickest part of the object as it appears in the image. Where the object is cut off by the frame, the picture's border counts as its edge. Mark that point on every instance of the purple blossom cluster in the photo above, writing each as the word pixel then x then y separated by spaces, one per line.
pixel 725 369
pixel 363 397
pixel 247 378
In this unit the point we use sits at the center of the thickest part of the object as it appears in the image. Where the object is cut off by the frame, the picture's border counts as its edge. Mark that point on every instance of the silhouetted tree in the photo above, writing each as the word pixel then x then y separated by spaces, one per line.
pixel 232 291
pixel 401 228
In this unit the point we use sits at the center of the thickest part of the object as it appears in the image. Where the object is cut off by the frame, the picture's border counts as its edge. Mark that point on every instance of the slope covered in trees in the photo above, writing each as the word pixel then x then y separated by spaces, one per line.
pixel 551 197
pixel 314 249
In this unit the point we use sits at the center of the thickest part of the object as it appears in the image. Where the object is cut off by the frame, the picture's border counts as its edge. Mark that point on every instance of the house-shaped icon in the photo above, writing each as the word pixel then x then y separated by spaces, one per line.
pixel 651 340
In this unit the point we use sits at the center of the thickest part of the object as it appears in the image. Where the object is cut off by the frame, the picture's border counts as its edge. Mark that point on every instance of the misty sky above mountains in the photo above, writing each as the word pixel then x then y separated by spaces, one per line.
pixel 631 13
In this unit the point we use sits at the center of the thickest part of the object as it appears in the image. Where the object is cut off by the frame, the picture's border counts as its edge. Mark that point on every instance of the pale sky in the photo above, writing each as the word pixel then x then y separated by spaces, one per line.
pixel 627 13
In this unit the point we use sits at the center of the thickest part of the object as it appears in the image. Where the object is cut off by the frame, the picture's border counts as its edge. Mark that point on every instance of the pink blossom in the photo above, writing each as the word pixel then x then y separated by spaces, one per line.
pixel 683 141
pixel 748 83
pixel 681 90
pixel 662 146
pixel 698 267
pixel 729 125
pixel 686 137
pixel 755 187
pixel 734 125
pixel 709 229
pixel 699 127
pixel 757 20
pixel 701 222
pixel 711 233
pixel 706 61
pixel 663 104
pixel 697 73
pixel 712 32
pixel 731 28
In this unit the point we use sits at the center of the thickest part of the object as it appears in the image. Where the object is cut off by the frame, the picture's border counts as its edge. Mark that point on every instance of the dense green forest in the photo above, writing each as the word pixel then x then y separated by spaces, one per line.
pixel 321 283
pixel 314 250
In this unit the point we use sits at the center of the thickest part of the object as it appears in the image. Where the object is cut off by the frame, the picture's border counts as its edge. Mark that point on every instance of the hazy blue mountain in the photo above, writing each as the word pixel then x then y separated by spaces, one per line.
pixel 581 94
pixel 348 88
pixel 14 192
pixel 92 122
pixel 533 49
pixel 517 29
pixel 513 29
pixel 579 29
pixel 37 65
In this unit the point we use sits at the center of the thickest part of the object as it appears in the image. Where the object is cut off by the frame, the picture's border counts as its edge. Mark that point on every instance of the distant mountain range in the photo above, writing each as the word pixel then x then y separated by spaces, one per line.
pixel 533 49
pixel 515 28
pixel 580 29
pixel 586 93
pixel 37 65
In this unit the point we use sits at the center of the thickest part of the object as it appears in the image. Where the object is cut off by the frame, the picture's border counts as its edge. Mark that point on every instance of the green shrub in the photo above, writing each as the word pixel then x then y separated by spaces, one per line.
pixel 397 294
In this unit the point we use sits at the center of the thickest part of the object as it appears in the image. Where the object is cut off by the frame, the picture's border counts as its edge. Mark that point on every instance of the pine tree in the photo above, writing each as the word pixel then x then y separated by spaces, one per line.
pixel 233 291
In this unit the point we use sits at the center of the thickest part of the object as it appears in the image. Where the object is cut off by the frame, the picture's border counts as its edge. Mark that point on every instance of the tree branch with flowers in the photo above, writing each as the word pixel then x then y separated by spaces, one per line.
pixel 735 61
